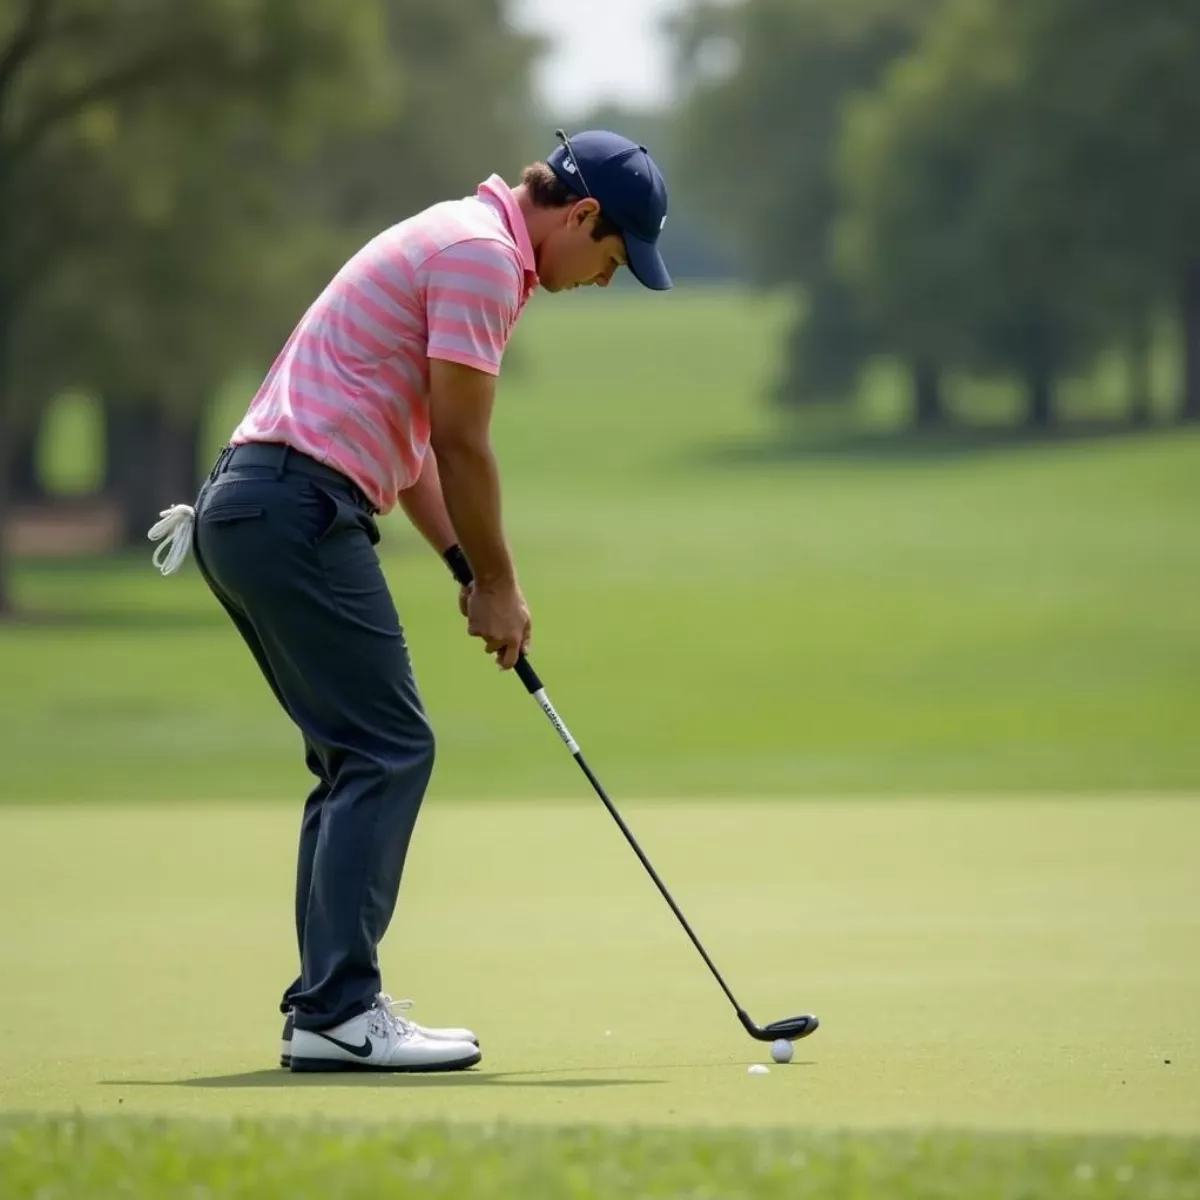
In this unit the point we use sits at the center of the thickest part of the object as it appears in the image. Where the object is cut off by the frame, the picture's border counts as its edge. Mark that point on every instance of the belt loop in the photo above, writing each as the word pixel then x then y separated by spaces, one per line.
pixel 222 461
pixel 283 457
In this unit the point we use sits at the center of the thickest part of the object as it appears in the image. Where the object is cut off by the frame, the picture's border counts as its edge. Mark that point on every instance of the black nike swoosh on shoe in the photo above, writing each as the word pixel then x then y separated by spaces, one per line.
pixel 363 1051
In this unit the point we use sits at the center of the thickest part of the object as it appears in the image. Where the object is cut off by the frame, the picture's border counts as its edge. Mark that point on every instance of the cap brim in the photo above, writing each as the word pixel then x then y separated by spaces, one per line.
pixel 647 264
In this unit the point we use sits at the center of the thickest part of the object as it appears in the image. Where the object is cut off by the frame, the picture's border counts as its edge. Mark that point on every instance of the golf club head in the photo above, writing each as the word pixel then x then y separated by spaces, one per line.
pixel 792 1029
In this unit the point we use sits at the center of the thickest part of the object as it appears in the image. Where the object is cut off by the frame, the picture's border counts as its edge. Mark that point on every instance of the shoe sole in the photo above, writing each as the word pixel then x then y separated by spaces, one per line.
pixel 314 1065
pixel 285 1060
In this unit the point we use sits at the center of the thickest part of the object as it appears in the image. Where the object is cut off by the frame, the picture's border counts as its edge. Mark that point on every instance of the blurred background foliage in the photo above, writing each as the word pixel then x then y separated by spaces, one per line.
pixel 905 233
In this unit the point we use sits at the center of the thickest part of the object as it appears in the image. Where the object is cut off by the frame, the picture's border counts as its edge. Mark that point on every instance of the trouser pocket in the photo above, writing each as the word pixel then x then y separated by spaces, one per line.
pixel 225 514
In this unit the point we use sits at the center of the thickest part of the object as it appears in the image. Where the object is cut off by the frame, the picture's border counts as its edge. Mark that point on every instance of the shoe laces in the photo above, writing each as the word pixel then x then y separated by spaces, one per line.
pixel 386 1008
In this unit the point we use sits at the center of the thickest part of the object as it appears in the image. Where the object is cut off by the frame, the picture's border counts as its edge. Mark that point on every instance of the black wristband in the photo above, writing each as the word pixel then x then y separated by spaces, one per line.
pixel 460 568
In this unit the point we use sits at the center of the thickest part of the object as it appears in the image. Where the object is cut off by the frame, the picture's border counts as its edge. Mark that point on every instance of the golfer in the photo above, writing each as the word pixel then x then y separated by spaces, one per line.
pixel 383 396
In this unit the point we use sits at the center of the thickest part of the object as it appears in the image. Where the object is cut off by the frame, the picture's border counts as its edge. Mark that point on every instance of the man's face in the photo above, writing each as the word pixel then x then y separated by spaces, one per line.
pixel 570 257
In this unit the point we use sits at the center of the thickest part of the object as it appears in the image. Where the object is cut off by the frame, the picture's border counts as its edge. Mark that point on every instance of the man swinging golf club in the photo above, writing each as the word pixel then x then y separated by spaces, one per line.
pixel 382 396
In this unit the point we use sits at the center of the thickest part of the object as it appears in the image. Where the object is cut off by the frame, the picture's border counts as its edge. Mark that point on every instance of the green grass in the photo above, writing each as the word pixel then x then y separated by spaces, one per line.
pixel 1020 966
pixel 89 1158
pixel 713 615
pixel 1000 986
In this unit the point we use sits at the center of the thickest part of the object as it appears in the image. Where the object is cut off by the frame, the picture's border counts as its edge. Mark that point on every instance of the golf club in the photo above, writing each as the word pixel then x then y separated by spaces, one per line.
pixel 790 1028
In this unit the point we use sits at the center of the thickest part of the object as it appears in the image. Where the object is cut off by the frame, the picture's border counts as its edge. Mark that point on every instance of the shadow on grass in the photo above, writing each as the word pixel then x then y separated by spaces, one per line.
pixel 915 447
pixel 279 1078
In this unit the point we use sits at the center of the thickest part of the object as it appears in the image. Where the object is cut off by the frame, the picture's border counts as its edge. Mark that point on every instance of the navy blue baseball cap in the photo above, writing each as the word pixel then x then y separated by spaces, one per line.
pixel 622 177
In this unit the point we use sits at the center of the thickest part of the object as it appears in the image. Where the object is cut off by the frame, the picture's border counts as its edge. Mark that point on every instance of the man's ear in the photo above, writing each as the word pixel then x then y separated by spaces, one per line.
pixel 582 210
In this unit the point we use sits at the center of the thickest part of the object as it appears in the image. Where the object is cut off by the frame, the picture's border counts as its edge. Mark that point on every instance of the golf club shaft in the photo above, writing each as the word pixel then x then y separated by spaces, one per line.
pixel 534 686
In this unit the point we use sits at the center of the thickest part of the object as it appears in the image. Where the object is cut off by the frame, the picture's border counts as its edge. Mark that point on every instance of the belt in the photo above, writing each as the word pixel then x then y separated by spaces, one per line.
pixel 284 459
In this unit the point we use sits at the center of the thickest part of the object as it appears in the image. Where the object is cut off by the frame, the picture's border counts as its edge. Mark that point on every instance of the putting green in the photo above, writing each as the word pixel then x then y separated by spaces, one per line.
pixel 1027 965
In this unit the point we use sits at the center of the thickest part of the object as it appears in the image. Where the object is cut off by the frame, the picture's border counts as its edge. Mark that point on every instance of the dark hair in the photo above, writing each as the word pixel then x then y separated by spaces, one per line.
pixel 546 190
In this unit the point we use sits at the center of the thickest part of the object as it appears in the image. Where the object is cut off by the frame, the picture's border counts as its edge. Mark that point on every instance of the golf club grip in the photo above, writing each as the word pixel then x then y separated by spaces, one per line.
pixel 528 676
pixel 456 560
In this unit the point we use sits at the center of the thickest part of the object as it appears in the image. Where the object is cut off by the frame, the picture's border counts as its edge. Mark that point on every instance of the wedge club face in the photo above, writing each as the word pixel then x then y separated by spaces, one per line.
pixel 790 1028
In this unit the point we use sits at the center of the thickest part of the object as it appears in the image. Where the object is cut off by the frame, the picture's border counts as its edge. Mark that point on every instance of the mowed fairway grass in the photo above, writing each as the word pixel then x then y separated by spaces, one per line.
pixel 1023 969
pixel 910 733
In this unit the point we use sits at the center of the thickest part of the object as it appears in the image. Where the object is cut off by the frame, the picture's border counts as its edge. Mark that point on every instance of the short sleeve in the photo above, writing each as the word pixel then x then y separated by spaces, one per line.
pixel 472 301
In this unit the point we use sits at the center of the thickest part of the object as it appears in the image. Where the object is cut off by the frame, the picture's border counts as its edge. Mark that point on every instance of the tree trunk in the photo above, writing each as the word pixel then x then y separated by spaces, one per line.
pixel 7 416
pixel 1040 414
pixel 151 461
pixel 1191 342
pixel 1141 386
pixel 1038 356
pixel 6 604
pixel 7 433
pixel 25 483
pixel 6 601
pixel 7 424
pixel 929 409
pixel 121 432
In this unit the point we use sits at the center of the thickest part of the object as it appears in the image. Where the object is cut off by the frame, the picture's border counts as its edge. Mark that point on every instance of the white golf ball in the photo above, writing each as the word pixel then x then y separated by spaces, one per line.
pixel 781 1050
pixel 758 1069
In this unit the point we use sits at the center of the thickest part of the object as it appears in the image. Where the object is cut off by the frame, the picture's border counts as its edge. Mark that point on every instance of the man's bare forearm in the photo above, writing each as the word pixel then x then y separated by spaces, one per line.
pixel 460 411
pixel 470 484
pixel 425 506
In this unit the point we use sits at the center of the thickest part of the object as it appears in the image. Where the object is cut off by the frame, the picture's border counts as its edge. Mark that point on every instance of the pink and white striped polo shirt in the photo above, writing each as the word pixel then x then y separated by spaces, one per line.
pixel 351 386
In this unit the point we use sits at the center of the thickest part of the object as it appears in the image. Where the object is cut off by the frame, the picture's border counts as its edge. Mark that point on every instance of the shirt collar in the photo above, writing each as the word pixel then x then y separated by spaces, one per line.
pixel 494 188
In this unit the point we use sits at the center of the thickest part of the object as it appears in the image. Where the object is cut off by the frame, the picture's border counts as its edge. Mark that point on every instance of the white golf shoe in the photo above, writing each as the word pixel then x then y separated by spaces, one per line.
pixel 447 1034
pixel 378 1040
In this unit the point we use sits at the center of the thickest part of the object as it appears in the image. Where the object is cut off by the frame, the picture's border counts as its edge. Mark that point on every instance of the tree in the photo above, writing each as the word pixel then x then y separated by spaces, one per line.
pixel 465 108
pixel 196 262
pixel 69 68
pixel 938 233
pixel 998 213
pixel 766 86
pixel 1125 93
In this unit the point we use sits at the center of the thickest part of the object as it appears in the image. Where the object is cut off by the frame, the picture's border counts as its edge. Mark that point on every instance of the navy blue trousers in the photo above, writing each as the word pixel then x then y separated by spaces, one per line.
pixel 288 548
